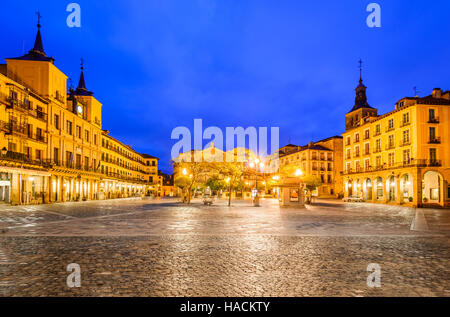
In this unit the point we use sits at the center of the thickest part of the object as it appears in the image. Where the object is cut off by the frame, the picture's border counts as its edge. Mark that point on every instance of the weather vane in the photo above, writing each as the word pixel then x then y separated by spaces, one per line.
pixel 416 91
pixel 39 16
pixel 360 68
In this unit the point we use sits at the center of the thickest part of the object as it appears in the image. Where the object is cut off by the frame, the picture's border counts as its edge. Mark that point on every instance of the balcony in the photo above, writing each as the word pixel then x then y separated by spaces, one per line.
pixel 72 165
pixel 409 163
pixel 13 103
pixel 40 115
pixel 405 143
pixel 433 120
pixel 377 133
pixel 405 123
pixel 389 129
pixel 377 150
pixel 124 177
pixel 390 146
pixel 22 158
pixel 356 154
pixel 435 140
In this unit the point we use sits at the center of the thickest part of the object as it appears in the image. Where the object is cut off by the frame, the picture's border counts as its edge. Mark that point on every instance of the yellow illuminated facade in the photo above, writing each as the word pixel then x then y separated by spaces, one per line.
pixel 53 148
pixel 401 157
pixel 322 159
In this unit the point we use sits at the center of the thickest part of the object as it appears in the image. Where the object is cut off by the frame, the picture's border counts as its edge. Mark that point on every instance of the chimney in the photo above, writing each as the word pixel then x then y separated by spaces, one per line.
pixel 437 93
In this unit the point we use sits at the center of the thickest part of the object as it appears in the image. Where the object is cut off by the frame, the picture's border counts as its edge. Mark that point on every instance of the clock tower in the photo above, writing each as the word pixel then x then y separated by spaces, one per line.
pixel 84 104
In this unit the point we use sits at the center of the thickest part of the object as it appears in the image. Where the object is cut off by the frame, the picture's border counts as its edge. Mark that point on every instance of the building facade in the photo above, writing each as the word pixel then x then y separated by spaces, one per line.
pixel 52 143
pixel 322 159
pixel 401 157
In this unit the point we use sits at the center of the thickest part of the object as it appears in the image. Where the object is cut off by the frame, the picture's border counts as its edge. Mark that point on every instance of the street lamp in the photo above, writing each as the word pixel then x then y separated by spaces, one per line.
pixel 184 172
pixel 257 165
pixel 298 173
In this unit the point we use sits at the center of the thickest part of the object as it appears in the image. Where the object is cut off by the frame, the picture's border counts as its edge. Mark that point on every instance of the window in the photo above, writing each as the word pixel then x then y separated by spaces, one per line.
pixel 78 161
pixel 39 135
pixel 431 114
pixel 56 155
pixel 406 118
pixel 348 154
pixel 406 157
pixel 38 155
pixel 69 158
pixel 13 95
pixel 367 165
pixel 378 161
pixel 78 132
pixel 357 137
pixel 56 122
pixel 69 127
pixel 95 139
pixel 366 148
pixel 391 159
pixel 378 129
pixel 86 162
pixel 378 145
pixel 406 137
pixel 29 130
pixel 433 156
pixel 357 151
pixel 348 140
pixel 28 152
pixel 391 141
pixel 366 134
pixel 357 166
pixel 391 124
pixel 348 167
pixel 432 133
pixel 86 135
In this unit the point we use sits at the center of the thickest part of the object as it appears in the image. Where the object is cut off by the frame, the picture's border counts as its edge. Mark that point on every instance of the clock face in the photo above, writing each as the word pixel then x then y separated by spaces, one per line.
pixel 80 109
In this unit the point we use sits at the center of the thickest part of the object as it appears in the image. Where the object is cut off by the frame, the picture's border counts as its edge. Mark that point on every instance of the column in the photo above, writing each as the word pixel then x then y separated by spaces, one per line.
pixel 63 189
pixel 398 196
pixel 417 189
pixel 15 189
pixel 385 191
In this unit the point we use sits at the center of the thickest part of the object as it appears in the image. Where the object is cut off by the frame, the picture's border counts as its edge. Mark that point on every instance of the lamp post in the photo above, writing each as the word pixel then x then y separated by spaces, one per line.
pixel 257 165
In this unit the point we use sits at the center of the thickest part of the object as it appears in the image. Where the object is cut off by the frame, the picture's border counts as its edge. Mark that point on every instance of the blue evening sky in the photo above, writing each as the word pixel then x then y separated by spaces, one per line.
pixel 158 64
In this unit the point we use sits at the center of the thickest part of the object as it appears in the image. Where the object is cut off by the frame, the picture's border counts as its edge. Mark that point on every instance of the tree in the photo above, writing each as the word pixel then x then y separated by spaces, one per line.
pixel 194 173
pixel 182 182
pixel 215 183
pixel 232 173
pixel 311 183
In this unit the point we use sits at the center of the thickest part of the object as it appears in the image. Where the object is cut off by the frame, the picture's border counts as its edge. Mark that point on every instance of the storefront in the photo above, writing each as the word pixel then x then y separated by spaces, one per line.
pixel 5 188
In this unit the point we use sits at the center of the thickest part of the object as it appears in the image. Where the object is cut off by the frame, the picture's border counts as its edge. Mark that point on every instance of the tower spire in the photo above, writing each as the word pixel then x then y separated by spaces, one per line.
pixel 361 98
pixel 81 89
pixel 82 82
pixel 38 46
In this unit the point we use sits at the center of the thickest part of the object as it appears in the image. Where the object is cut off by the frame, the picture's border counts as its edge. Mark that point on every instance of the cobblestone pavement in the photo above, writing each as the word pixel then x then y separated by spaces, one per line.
pixel 164 248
